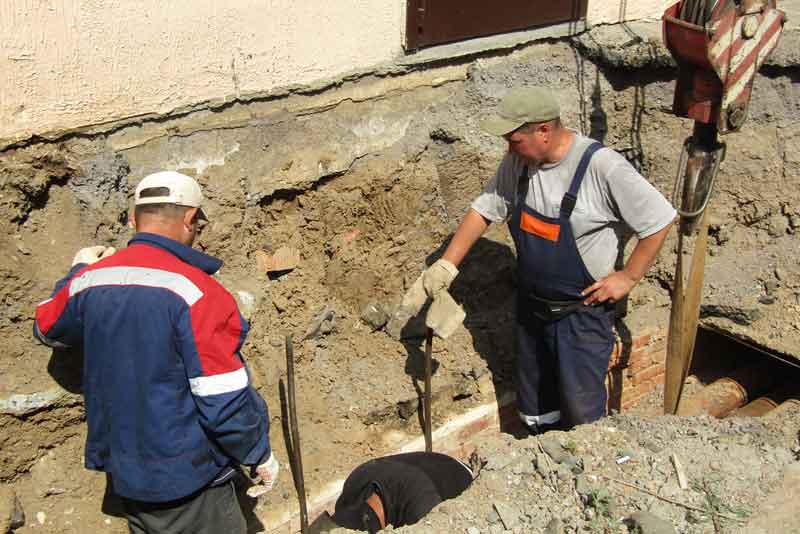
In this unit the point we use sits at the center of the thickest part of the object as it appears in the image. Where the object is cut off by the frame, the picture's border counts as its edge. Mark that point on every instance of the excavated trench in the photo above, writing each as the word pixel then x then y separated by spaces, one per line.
pixel 738 379
pixel 728 378
pixel 366 181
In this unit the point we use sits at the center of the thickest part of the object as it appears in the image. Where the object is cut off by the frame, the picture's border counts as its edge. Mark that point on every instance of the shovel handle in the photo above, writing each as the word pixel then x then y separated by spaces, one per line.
pixel 295 433
pixel 427 407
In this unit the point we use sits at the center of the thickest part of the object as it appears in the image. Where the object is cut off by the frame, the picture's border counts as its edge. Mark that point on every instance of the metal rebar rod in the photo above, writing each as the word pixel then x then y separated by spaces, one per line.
pixel 295 432
pixel 428 371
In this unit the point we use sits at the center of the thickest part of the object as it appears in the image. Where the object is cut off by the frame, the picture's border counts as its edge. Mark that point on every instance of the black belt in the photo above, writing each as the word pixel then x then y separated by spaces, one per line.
pixel 550 310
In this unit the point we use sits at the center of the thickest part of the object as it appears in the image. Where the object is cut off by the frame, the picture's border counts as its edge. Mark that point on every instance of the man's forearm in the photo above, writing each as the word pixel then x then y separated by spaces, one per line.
pixel 472 227
pixel 644 254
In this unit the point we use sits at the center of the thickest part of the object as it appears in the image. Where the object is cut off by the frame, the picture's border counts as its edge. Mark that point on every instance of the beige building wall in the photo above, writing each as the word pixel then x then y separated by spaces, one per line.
pixel 610 11
pixel 71 63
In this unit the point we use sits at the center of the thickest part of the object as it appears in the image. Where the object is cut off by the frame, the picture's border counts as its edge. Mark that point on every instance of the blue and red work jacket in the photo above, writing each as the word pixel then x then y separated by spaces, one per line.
pixel 169 404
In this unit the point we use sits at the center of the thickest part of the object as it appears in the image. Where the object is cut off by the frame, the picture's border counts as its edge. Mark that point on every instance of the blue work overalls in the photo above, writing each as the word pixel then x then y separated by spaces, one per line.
pixel 562 363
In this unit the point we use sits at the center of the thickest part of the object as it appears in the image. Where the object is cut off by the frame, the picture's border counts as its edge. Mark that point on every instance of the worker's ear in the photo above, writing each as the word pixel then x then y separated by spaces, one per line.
pixel 189 218
pixel 132 219
pixel 546 130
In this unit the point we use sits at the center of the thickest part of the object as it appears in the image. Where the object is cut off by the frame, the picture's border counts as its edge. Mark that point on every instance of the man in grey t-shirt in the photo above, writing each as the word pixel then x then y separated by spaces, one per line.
pixel 568 201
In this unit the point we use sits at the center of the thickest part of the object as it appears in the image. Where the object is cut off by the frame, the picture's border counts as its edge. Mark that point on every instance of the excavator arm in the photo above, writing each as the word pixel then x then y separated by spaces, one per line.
pixel 719 45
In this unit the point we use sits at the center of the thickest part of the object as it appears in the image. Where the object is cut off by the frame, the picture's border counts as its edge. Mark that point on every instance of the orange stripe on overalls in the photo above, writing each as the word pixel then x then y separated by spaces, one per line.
pixel 534 226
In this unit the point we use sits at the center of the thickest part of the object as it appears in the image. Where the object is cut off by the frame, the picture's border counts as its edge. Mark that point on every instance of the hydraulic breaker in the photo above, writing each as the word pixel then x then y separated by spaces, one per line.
pixel 719 45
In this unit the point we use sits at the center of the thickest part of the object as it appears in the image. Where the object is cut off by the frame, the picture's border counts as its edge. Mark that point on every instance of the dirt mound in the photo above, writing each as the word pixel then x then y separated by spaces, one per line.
pixel 618 473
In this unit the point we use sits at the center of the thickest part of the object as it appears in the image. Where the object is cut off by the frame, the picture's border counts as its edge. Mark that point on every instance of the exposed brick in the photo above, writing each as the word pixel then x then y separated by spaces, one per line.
pixel 644 346
pixel 658 348
pixel 639 355
pixel 653 331
pixel 630 403
pixel 618 360
pixel 636 391
pixel 641 370
pixel 476 426
pixel 640 341
pixel 639 363
pixel 627 385
pixel 648 374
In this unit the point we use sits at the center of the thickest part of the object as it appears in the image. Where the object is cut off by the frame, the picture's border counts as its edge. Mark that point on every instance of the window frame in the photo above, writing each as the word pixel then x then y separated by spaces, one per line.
pixel 435 22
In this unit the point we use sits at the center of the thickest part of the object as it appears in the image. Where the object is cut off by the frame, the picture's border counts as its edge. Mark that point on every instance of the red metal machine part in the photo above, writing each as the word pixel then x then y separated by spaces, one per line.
pixel 718 61
pixel 719 45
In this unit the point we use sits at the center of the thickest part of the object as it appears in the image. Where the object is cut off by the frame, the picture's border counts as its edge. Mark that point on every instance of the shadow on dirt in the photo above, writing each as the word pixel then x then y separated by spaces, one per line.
pixel 615 374
pixel 485 288
pixel 66 368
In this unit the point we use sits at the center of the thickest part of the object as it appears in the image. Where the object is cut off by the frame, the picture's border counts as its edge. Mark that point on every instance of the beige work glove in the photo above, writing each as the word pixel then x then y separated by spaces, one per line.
pixel 438 277
pixel 268 473
pixel 89 255
pixel 445 315
pixel 413 301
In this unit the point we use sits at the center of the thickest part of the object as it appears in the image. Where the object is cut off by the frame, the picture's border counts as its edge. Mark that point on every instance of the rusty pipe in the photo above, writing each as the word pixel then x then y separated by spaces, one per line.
pixel 729 393
pixel 757 408
pixel 766 403
pixel 789 405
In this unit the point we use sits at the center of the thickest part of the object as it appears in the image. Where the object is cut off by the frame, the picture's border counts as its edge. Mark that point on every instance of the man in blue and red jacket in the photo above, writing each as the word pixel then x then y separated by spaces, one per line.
pixel 169 405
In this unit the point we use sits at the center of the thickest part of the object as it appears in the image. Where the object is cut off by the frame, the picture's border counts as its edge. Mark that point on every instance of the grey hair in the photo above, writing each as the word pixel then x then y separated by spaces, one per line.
pixel 161 210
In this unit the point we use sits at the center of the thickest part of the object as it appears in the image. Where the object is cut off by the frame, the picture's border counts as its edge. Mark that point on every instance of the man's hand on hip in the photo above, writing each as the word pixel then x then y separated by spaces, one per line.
pixel 438 277
pixel 268 475
pixel 89 255
pixel 612 288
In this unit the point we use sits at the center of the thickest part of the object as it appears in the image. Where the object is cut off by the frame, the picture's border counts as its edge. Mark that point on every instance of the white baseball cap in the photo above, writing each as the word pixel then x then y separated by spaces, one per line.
pixel 176 189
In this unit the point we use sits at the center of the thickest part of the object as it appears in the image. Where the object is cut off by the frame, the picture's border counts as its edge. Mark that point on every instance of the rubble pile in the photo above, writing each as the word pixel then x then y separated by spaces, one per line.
pixel 618 475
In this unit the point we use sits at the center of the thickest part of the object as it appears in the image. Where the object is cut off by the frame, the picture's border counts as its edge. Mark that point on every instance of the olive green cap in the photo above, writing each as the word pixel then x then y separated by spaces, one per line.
pixel 521 106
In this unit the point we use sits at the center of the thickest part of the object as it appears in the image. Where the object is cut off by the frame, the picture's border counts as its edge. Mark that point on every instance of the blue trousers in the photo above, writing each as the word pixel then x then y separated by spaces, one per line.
pixel 562 366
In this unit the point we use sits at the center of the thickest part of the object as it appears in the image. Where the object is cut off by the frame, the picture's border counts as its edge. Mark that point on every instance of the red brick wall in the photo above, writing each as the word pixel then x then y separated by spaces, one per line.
pixel 636 367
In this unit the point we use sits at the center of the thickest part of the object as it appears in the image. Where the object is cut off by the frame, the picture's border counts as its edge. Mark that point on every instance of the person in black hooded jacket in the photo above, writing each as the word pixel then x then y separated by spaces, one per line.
pixel 395 490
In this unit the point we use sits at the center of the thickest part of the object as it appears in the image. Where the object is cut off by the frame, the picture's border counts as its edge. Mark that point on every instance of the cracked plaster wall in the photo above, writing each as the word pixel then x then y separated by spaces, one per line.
pixel 76 63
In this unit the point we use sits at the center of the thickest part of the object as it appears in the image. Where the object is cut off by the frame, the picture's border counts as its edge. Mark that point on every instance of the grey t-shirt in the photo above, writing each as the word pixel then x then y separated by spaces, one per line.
pixel 613 201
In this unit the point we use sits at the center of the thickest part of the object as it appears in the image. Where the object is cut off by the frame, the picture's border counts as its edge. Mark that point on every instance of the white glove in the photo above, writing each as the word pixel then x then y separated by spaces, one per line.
pixel 268 473
pixel 438 277
pixel 89 255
